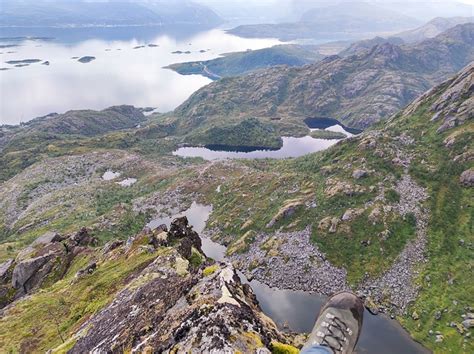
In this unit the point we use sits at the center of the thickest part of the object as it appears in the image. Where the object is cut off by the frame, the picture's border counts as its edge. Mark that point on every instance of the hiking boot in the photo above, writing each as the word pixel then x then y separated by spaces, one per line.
pixel 338 325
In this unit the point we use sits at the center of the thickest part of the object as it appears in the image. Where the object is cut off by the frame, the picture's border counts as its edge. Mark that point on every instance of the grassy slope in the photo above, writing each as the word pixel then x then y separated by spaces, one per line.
pixel 445 281
pixel 37 323
pixel 233 64
pixel 248 133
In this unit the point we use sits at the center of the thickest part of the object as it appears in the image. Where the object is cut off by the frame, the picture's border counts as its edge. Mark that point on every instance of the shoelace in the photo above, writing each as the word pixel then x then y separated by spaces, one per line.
pixel 335 331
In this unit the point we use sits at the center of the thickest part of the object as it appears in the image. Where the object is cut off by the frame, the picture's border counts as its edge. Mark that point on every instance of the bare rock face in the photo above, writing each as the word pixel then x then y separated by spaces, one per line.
pixel 181 231
pixel 27 273
pixel 169 307
pixel 47 258
pixel 449 110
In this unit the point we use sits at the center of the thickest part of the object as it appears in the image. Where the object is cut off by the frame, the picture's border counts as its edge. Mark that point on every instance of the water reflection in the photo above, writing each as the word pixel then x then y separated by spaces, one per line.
pixel 297 310
pixel 119 75
pixel 292 147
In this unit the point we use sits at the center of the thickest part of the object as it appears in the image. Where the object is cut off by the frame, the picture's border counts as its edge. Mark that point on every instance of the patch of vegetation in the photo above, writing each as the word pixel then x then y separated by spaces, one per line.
pixel 327 134
pixel 39 321
pixel 280 348
pixel 392 196
pixel 250 133
pixel 196 258
pixel 210 270
pixel 239 63
pixel 365 247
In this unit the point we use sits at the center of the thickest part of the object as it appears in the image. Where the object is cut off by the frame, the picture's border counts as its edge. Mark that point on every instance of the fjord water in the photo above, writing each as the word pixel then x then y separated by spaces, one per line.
pixel 297 310
pixel 126 69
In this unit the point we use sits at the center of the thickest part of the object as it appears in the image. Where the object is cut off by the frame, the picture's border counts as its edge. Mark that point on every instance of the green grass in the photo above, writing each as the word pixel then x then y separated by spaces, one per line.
pixel 392 196
pixel 35 323
pixel 248 133
pixel 327 134
pixel 450 263
pixel 361 249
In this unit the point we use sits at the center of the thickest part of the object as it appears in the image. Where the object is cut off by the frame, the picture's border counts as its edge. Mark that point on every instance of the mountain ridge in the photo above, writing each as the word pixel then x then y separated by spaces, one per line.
pixel 65 14
pixel 358 90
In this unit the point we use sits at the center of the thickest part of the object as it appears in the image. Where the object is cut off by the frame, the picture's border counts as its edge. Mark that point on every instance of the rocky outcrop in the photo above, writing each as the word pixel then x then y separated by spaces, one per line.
pixel 467 178
pixel 47 259
pixel 336 187
pixel 286 211
pixel 172 306
pixel 165 309
pixel 351 214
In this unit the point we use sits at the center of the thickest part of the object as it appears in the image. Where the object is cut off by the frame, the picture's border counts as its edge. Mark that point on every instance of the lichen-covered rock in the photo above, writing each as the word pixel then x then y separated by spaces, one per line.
pixel 336 187
pixel 351 214
pixel 358 174
pixel 162 310
pixel 286 211
pixel 467 178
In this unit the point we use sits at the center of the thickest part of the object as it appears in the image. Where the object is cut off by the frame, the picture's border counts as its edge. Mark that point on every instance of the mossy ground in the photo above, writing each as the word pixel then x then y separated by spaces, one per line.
pixel 39 321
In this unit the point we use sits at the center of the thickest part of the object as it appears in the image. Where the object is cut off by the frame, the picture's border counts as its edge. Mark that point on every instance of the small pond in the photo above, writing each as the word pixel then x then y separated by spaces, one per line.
pixel 330 124
pixel 297 310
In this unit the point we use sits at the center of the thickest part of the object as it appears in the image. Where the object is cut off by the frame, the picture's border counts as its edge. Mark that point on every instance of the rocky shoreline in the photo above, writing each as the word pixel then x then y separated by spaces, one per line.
pixel 399 279
pixel 282 267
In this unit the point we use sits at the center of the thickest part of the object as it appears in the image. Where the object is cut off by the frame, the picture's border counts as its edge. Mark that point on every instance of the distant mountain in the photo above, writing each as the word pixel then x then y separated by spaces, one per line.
pixel 239 63
pixel 356 16
pixel 353 20
pixel 79 123
pixel 432 28
pixel 426 10
pixel 419 34
pixel 238 12
pixel 96 13
pixel 363 45
pixel 359 90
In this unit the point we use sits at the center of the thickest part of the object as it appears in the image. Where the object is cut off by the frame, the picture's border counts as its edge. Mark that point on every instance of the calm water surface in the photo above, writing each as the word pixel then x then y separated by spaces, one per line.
pixel 297 310
pixel 292 147
pixel 120 74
